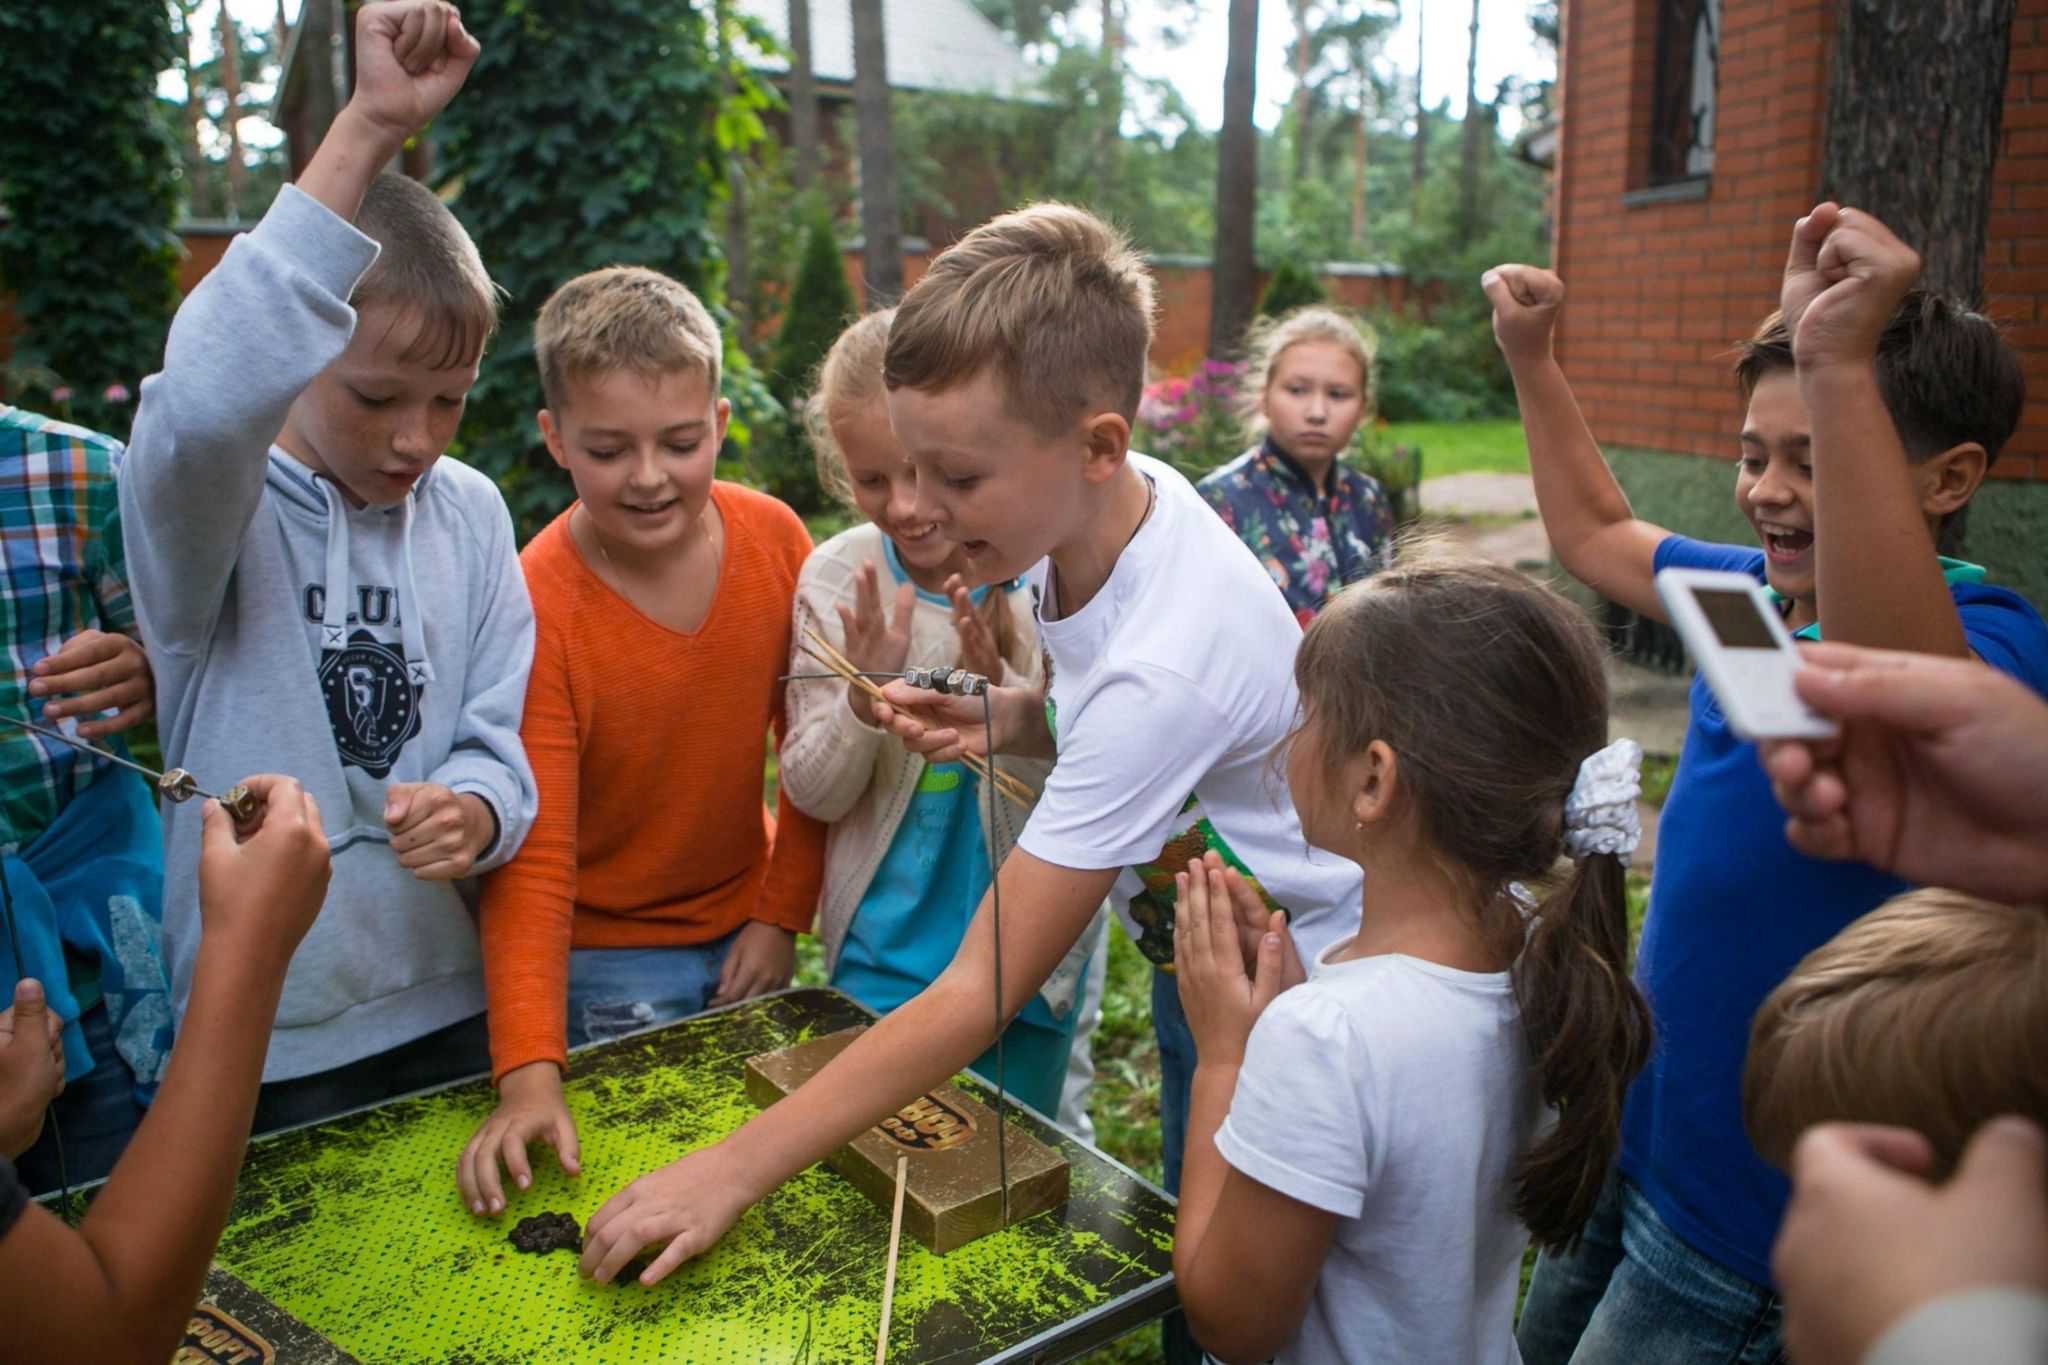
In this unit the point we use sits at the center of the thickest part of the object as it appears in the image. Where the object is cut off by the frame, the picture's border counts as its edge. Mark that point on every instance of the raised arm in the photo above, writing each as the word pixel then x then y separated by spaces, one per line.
pixel 121 1286
pixel 1878 579
pixel 1596 535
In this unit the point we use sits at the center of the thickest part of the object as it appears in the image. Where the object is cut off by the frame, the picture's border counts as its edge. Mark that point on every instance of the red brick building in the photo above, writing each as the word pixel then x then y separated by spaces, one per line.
pixel 1665 275
pixel 1686 155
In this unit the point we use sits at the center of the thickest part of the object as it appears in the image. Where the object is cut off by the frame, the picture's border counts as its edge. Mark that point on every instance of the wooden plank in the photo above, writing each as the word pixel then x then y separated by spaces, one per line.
pixel 954 1194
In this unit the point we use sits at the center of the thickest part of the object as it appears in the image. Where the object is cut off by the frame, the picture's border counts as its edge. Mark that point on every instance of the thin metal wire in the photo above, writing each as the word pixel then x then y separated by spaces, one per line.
pixel 89 747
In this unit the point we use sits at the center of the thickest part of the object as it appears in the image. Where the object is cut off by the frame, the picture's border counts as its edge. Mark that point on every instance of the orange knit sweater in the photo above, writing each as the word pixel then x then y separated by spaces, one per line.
pixel 647 746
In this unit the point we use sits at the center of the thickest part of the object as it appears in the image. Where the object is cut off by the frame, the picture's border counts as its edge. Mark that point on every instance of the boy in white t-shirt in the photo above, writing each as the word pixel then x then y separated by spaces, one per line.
pixel 1014 370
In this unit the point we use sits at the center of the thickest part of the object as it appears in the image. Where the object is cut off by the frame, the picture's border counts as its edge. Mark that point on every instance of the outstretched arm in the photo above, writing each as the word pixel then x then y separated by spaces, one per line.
pixel 1596 535
pixel 686 1206
pixel 120 1286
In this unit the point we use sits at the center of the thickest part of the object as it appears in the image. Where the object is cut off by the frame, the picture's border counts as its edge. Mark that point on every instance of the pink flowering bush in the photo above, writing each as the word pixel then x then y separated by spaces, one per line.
pixel 1193 422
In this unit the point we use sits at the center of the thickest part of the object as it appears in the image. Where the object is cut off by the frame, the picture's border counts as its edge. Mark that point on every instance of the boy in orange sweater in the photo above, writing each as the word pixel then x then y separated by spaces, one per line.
pixel 654 883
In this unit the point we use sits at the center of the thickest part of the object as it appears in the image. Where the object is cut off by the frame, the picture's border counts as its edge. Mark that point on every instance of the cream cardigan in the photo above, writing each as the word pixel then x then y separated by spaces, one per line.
pixel 858 779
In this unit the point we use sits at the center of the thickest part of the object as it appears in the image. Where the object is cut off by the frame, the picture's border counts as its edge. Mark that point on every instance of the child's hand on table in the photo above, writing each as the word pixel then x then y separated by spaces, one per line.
pixel 683 1208
pixel 530 1106
pixel 1526 300
pixel 1844 279
pixel 1220 999
pixel 874 643
pixel 31 1066
pixel 437 833
pixel 762 958
pixel 978 652
pixel 103 671
pixel 260 890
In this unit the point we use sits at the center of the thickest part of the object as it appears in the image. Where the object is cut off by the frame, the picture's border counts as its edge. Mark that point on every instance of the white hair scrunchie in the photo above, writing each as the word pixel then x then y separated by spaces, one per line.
pixel 1600 814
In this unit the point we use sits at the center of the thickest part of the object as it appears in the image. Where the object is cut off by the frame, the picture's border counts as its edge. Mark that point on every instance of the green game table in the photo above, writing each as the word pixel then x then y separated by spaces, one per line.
pixel 347 1240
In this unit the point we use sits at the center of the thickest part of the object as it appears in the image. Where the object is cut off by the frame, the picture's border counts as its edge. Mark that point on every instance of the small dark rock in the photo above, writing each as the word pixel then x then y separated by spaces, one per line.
pixel 547 1232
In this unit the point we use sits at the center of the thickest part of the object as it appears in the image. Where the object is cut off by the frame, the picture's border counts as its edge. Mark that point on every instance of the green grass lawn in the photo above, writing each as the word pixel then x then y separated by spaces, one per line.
pixel 1494 446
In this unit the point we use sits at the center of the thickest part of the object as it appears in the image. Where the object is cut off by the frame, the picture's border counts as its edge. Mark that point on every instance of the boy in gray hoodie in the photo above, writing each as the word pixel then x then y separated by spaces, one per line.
pixel 322 595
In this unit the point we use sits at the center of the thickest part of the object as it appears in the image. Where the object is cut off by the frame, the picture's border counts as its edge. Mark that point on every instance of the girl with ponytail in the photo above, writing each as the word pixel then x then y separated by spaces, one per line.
pixel 908 857
pixel 1448 1083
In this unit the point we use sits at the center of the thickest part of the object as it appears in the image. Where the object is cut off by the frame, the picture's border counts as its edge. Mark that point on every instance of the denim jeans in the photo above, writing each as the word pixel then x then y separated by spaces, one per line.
pixel 96 1115
pixel 616 991
pixel 1634 1294
pixel 448 1054
pixel 1176 1082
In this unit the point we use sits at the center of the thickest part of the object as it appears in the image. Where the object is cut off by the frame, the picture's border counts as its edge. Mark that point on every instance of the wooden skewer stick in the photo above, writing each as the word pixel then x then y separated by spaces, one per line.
pixel 889 1279
pixel 824 653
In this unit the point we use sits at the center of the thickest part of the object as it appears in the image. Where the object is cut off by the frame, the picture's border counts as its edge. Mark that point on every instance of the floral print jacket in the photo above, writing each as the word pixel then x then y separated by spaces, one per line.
pixel 1313 543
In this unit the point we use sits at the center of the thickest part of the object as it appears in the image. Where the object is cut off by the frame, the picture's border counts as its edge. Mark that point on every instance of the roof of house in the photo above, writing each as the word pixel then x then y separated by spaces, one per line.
pixel 932 45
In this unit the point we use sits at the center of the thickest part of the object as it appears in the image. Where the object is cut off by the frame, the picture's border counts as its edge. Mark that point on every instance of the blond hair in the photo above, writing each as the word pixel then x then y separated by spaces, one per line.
pixel 1050 299
pixel 1930 1012
pixel 1272 338
pixel 849 377
pixel 624 317
pixel 427 268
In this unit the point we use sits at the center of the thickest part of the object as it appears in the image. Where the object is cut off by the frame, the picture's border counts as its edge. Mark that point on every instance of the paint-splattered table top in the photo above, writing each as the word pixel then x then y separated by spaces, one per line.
pixel 353 1227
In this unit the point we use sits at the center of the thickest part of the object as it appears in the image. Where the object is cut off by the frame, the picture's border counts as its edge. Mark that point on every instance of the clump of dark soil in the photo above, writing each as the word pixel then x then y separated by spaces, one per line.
pixel 548 1232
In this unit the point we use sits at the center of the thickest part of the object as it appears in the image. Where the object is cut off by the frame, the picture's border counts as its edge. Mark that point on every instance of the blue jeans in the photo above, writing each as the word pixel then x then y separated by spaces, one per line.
pixel 96 1115
pixel 1634 1294
pixel 448 1054
pixel 616 991
pixel 1176 1082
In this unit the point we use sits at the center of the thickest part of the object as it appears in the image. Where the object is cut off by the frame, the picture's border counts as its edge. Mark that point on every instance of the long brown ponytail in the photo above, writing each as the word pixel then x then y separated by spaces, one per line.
pixel 1488 687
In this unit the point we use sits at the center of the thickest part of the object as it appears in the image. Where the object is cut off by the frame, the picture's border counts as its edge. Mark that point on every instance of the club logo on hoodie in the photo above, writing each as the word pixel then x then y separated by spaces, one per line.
pixel 372 705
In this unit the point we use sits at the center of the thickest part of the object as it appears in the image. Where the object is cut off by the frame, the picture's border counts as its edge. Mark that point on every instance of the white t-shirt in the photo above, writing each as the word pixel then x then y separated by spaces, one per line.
pixel 1397 1094
pixel 1168 693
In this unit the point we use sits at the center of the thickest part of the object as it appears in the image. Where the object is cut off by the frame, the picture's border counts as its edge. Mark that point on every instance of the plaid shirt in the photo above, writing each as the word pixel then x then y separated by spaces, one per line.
pixel 61 572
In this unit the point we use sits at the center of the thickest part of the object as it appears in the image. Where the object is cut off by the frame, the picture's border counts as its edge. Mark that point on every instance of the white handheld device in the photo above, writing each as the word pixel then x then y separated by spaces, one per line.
pixel 1738 641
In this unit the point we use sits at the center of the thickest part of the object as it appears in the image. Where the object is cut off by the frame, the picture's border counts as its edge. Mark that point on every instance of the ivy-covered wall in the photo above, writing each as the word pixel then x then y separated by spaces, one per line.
pixel 88 173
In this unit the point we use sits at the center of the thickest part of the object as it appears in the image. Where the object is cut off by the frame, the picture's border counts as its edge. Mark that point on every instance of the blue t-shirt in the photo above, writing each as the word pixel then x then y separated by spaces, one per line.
pixel 1733 908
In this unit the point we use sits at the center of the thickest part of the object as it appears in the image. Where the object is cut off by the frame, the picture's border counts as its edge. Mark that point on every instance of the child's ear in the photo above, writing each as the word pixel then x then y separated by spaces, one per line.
pixel 551 435
pixel 724 416
pixel 1374 776
pixel 1950 479
pixel 1106 439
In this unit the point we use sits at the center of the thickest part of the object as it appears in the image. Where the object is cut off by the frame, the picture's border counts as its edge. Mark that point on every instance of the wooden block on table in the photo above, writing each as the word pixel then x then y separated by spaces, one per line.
pixel 952 1192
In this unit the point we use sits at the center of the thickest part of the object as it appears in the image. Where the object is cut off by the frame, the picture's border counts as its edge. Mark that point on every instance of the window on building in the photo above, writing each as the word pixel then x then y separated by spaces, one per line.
pixel 1682 112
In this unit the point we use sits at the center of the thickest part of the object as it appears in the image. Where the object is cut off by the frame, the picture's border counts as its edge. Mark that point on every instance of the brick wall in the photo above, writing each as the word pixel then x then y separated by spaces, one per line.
pixel 1660 288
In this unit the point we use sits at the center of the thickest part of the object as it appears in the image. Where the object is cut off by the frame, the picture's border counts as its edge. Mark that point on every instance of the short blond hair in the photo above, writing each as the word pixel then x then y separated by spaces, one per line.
pixel 624 317
pixel 1050 299
pixel 428 269
pixel 1272 338
pixel 1930 1012
pixel 849 376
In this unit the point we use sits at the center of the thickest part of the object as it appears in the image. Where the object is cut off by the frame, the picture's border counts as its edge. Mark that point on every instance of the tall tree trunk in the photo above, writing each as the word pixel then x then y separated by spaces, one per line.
pixel 1109 129
pixel 319 99
pixel 1916 94
pixel 1421 167
pixel 1304 98
pixel 1468 145
pixel 1358 155
pixel 199 195
pixel 803 94
pixel 739 270
pixel 1237 169
pixel 881 220
pixel 231 86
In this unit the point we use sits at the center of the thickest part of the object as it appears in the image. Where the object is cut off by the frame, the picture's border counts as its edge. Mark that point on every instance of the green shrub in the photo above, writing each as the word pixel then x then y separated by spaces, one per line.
pixel 1292 285
pixel 88 171
pixel 1445 369
pixel 820 305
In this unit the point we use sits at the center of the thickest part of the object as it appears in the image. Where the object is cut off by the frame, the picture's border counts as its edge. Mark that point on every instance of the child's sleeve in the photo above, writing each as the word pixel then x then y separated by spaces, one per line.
pixel 796 861
pixel 1304 1061
pixel 1126 768
pixel 487 757
pixel 828 756
pixel 270 317
pixel 529 905
pixel 106 566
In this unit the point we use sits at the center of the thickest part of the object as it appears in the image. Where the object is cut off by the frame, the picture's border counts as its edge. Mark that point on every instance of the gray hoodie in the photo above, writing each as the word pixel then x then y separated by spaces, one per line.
pixel 349 648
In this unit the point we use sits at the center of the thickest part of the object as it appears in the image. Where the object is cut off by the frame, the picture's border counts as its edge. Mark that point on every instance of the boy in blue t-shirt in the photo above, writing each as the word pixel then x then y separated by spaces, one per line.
pixel 1886 405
